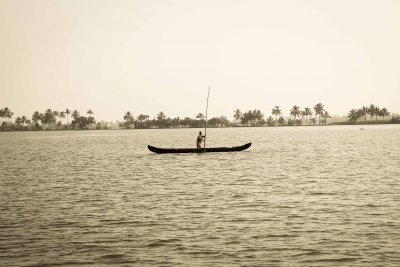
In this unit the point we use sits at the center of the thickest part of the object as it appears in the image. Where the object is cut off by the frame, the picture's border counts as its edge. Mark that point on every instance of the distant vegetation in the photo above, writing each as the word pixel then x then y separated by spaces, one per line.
pixel 55 120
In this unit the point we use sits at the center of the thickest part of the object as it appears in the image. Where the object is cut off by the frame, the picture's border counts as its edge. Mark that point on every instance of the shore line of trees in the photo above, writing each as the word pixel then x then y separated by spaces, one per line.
pixel 55 120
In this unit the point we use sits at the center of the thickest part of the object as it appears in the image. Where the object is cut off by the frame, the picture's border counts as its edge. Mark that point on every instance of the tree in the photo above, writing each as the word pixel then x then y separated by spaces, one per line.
pixel 254 118
pixel 91 120
pixel 2 114
pixel 307 112
pixel 326 115
pixel 18 122
pixel 277 112
pixel 80 121
pixel 353 116
pixel 201 118
pixel 186 122
pixel 141 120
pixel 281 120
pixel 377 112
pixel 270 121
pixel 295 112
pixel 55 115
pixel 24 120
pixel 67 111
pixel 384 112
pixel 128 119
pixel 90 112
pixel 161 119
pixel 319 109
pixel 371 110
pixel 364 112
pixel 62 115
pixel 7 114
pixel 223 121
pixel 213 122
pixel 48 117
pixel 36 117
pixel 313 120
pixel 75 114
pixel 175 122
pixel 237 115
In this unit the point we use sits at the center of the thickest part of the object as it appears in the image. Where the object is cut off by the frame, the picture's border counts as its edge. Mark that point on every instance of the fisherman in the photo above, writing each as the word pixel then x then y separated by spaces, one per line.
pixel 200 138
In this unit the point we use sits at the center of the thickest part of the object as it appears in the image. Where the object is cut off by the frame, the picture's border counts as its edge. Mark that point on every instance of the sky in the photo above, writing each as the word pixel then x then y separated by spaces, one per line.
pixel 151 56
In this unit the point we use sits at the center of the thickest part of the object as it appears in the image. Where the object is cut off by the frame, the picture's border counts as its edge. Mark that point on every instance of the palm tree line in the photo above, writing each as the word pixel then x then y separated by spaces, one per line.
pixel 360 115
pixel 256 118
pixel 53 120
pixel 48 120
pixel 162 121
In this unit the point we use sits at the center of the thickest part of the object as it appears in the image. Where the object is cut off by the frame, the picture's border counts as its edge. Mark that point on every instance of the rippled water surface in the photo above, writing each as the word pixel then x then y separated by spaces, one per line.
pixel 299 196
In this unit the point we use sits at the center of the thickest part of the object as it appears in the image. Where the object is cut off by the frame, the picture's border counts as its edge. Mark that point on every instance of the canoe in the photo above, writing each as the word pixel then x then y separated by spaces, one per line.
pixel 201 150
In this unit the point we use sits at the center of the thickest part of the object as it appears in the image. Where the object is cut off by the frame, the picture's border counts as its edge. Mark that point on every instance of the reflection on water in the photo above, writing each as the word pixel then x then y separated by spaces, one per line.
pixel 299 196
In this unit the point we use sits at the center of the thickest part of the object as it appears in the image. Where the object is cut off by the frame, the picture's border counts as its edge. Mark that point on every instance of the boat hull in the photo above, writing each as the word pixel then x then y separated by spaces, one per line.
pixel 194 150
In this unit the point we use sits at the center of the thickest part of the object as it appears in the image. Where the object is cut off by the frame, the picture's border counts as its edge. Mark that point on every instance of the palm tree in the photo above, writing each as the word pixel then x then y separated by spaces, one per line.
pixel 377 112
pixel 295 112
pixel 42 119
pixel 237 114
pixel 307 112
pixel 319 109
pixel 353 115
pixel 160 119
pixel 313 120
pixel 371 111
pixel 36 117
pixel 2 114
pixel 141 118
pixel 91 120
pixel 61 115
pixel 360 114
pixel 326 115
pixel 56 114
pixel 24 120
pixel 128 118
pixel 364 112
pixel 384 112
pixel 277 112
pixel 161 116
pixel 48 116
pixel 270 121
pixel 281 120
pixel 201 117
pixel 18 121
pixel 75 114
pixel 90 112
pixel 7 114
pixel 67 111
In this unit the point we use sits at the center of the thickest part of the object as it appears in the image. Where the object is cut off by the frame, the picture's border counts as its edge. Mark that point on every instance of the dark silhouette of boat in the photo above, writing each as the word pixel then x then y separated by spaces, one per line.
pixel 201 150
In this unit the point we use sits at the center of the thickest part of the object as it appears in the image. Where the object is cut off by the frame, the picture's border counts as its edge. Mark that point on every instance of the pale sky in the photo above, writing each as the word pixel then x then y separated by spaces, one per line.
pixel 151 56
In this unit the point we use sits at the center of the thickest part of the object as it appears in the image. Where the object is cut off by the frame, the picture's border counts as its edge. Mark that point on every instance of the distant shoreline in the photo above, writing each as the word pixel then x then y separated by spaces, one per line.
pixel 53 120
pixel 212 127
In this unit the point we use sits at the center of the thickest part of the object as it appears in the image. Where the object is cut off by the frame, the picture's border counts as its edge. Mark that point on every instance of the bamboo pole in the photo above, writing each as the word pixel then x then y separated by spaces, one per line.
pixel 205 130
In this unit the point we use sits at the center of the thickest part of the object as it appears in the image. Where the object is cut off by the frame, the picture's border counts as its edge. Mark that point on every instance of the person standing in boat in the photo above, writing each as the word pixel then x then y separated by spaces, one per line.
pixel 200 138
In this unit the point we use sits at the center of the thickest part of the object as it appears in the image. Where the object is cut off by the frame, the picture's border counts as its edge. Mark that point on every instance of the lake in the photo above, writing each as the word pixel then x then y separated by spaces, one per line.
pixel 299 196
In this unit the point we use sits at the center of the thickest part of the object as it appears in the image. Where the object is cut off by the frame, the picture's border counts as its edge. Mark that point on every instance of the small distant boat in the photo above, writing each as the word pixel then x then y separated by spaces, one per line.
pixel 361 128
pixel 201 150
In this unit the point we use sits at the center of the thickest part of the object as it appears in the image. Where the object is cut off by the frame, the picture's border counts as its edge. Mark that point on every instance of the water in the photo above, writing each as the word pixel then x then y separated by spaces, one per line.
pixel 300 196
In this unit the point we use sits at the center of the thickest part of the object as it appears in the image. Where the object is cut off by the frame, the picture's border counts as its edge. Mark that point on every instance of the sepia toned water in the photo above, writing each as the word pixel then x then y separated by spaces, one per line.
pixel 299 196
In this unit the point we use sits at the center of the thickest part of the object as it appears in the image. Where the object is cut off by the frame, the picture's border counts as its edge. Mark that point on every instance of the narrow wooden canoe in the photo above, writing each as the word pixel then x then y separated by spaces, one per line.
pixel 194 150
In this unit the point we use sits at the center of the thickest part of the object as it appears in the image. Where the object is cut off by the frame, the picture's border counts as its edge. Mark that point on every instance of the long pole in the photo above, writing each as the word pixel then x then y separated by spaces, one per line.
pixel 205 130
